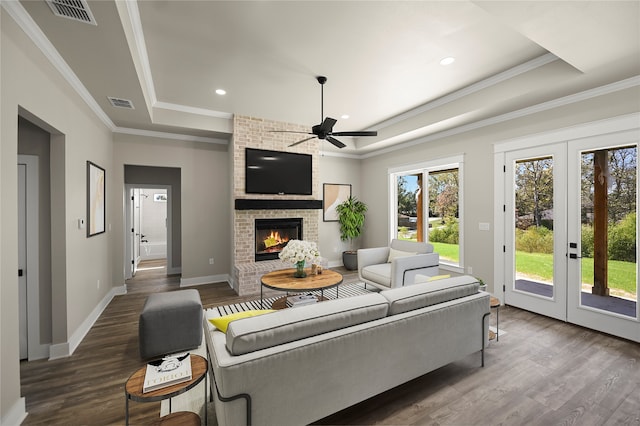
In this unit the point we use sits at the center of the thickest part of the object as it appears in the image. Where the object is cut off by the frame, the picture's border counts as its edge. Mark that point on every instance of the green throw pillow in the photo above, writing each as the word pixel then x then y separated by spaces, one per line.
pixel 221 323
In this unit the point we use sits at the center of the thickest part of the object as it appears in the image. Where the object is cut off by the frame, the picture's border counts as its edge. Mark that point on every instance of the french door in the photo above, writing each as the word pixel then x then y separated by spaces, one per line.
pixel 570 236
pixel 536 234
pixel 603 274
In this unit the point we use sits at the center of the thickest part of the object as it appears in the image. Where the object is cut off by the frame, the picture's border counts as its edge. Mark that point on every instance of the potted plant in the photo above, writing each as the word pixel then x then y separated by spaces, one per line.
pixel 351 217
pixel 483 286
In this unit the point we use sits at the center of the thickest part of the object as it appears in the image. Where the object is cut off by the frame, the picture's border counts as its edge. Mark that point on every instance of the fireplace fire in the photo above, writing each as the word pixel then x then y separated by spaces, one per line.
pixel 272 235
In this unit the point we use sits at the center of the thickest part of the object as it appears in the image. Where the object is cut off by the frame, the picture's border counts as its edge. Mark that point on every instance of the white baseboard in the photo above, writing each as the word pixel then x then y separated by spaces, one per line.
pixel 16 414
pixel 62 350
pixel 174 271
pixel 59 350
pixel 40 351
pixel 187 282
pixel 335 263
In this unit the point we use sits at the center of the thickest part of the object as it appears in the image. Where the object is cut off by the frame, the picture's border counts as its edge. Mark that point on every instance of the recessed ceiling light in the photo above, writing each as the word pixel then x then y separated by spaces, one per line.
pixel 344 116
pixel 221 91
pixel 447 61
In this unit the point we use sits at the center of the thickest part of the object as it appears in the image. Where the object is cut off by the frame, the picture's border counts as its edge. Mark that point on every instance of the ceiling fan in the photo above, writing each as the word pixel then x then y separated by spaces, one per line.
pixel 324 130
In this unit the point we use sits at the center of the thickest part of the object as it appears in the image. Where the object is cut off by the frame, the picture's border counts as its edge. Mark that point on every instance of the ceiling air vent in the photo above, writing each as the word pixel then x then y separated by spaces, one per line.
pixel 121 103
pixel 78 10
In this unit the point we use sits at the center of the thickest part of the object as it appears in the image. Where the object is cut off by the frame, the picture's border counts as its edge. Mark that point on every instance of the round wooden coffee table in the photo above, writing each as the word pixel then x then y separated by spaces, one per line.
pixel 283 280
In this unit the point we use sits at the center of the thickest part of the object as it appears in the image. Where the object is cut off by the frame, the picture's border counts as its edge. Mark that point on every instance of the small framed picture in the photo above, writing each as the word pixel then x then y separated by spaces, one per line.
pixel 96 194
pixel 333 194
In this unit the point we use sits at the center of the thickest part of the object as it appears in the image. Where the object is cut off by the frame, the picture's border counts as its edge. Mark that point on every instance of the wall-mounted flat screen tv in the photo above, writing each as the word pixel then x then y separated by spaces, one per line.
pixel 277 172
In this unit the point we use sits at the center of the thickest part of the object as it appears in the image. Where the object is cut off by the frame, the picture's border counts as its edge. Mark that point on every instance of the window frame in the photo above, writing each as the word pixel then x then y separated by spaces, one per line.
pixel 424 168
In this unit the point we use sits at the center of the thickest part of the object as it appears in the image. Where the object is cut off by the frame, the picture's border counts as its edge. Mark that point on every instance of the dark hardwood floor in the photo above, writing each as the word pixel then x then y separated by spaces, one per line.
pixel 541 372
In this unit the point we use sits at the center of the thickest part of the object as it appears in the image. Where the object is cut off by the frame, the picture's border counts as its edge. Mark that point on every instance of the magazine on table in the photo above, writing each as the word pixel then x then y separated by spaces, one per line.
pixel 302 299
pixel 167 371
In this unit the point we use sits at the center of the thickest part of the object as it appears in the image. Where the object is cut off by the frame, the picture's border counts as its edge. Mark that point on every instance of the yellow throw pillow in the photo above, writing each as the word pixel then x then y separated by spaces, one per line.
pixel 221 323
pixel 438 277
pixel 393 253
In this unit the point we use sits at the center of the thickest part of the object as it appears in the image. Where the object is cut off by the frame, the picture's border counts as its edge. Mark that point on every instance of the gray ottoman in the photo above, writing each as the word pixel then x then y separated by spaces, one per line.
pixel 170 322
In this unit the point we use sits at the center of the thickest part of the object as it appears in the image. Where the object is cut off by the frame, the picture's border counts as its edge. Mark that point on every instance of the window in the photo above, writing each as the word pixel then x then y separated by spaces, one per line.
pixel 426 205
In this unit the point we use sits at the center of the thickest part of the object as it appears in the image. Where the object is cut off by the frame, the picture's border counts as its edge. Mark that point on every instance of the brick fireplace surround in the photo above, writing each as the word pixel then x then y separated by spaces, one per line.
pixel 252 132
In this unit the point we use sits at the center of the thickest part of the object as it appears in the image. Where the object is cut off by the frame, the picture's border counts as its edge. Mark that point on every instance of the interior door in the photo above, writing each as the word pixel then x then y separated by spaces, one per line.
pixel 22 261
pixel 535 230
pixel 603 227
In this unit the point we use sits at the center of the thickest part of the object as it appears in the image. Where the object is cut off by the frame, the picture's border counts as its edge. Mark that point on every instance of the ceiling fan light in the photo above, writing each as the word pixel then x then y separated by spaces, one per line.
pixel 447 61
pixel 221 92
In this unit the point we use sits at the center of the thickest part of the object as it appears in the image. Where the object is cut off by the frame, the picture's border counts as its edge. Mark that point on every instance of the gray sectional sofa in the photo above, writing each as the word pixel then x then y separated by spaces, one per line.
pixel 299 365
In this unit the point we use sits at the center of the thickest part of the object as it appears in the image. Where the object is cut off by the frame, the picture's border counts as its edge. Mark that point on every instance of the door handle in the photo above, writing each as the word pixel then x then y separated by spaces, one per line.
pixel 20 272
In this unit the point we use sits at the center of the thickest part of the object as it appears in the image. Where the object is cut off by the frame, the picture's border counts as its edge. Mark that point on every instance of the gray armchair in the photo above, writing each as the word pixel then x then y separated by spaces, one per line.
pixel 398 264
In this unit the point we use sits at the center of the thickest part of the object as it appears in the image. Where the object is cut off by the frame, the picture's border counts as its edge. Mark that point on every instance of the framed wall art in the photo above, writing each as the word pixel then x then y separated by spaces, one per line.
pixel 96 203
pixel 333 194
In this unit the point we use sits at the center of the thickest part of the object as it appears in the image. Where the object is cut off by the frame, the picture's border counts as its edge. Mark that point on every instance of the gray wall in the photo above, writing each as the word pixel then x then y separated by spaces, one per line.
pixel 31 85
pixel 205 218
pixel 170 176
pixel 337 170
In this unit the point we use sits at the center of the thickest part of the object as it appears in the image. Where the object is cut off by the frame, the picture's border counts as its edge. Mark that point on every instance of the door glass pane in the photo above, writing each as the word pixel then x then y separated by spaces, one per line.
pixel 444 214
pixel 408 194
pixel 608 233
pixel 534 261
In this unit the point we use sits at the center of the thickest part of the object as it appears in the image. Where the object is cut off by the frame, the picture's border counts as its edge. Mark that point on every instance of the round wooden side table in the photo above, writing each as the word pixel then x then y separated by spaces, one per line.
pixel 133 392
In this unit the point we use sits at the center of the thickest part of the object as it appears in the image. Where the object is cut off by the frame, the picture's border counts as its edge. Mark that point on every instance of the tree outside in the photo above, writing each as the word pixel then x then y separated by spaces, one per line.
pixel 534 218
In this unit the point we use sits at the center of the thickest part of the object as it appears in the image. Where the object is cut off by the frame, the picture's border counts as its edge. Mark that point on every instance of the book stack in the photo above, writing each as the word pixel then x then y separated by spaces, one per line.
pixel 301 300
pixel 167 371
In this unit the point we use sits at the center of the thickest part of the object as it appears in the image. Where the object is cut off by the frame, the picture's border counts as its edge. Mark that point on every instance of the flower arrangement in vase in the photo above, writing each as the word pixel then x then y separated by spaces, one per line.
pixel 298 252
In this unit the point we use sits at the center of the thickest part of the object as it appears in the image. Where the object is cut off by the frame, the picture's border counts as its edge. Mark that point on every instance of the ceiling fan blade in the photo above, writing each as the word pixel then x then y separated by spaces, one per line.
pixel 289 131
pixel 335 141
pixel 303 140
pixel 364 133
pixel 327 125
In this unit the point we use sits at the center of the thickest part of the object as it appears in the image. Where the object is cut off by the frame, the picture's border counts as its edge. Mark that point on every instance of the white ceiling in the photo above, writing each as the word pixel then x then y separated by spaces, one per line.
pixel 381 59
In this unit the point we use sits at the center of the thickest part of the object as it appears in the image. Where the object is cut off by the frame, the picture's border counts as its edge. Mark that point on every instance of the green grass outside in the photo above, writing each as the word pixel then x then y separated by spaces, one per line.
pixel 449 252
pixel 622 275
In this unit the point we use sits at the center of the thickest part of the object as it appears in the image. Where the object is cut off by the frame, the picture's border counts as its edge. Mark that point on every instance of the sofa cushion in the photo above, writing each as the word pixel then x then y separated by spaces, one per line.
pixel 418 296
pixel 380 273
pixel 393 253
pixel 288 325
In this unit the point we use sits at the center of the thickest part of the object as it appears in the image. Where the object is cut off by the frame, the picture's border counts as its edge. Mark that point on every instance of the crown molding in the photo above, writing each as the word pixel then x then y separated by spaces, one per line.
pixel 28 25
pixel 165 135
pixel 193 110
pixel 534 109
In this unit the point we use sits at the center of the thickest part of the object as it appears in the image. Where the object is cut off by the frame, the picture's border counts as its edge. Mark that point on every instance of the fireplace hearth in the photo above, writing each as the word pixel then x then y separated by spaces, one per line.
pixel 272 235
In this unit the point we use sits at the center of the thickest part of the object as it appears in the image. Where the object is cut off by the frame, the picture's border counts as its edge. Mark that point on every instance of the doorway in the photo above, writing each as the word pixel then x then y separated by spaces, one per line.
pixel 150 226
pixel 570 232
